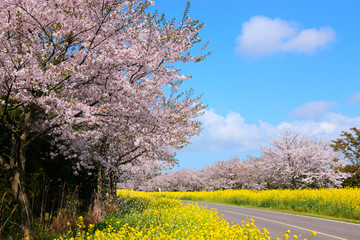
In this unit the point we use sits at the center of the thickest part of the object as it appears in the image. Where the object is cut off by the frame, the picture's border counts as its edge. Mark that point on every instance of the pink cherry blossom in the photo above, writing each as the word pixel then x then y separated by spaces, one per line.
pixel 98 75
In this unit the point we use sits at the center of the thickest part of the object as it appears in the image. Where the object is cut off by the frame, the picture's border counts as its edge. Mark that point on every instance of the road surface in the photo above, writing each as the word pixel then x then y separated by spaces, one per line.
pixel 276 222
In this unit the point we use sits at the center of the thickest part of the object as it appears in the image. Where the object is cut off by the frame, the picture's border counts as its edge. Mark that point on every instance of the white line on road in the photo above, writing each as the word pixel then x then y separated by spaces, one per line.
pixel 328 235
pixel 298 215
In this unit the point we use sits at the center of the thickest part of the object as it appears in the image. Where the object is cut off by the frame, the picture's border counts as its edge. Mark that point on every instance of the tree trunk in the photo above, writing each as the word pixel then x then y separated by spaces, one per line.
pixel 112 179
pixel 18 160
pixel 18 189
pixel 98 186
pixel 18 184
pixel 97 208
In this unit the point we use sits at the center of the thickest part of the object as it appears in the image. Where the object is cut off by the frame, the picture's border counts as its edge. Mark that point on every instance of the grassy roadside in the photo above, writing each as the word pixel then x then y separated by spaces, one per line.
pixel 289 211
pixel 336 204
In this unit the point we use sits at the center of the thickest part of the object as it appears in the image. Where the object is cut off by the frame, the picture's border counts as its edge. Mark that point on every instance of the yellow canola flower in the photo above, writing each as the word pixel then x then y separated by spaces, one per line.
pixel 163 218
pixel 337 202
pixel 153 216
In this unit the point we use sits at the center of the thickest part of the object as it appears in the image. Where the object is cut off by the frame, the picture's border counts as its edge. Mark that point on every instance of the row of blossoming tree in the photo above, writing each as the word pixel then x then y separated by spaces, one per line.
pixel 291 162
pixel 98 78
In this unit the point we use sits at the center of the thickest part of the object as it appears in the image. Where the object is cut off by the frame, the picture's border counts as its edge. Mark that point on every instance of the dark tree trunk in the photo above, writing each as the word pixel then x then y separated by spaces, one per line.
pixel 112 179
pixel 18 190
pixel 98 193
pixel 97 207
pixel 18 183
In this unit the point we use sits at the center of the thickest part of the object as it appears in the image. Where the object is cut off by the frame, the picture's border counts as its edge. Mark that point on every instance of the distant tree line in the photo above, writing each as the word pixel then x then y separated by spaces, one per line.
pixel 291 162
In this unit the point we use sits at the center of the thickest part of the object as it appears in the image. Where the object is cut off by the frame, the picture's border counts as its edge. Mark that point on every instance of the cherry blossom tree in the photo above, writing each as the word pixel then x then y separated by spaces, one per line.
pixel 135 174
pixel 99 76
pixel 179 181
pixel 298 162
pixel 232 174
pixel 250 174
pixel 291 162
pixel 223 174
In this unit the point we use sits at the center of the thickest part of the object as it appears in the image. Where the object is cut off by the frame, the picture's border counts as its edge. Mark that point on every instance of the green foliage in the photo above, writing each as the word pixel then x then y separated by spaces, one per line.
pixel 354 180
pixel 8 213
pixel 349 145
pixel 7 201
pixel 49 181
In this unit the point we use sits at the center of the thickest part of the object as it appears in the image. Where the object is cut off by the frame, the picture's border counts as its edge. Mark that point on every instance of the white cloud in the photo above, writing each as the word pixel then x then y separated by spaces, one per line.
pixel 308 40
pixel 312 110
pixel 355 97
pixel 263 36
pixel 232 134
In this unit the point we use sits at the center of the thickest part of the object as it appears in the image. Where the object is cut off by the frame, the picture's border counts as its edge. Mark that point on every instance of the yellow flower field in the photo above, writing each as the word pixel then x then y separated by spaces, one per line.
pixel 342 202
pixel 156 217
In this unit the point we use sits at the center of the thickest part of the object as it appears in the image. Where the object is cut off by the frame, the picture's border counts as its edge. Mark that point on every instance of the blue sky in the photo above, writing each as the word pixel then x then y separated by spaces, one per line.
pixel 275 65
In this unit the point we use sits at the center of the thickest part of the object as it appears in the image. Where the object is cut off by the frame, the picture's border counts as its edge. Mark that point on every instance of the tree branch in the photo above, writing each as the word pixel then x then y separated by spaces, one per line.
pixel 34 137
pixel 37 21
pixel 131 151
pixel 56 85
pixel 132 159
pixel 6 102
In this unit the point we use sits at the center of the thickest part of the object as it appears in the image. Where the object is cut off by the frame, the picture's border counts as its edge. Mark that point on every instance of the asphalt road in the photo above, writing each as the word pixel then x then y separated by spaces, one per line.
pixel 276 222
